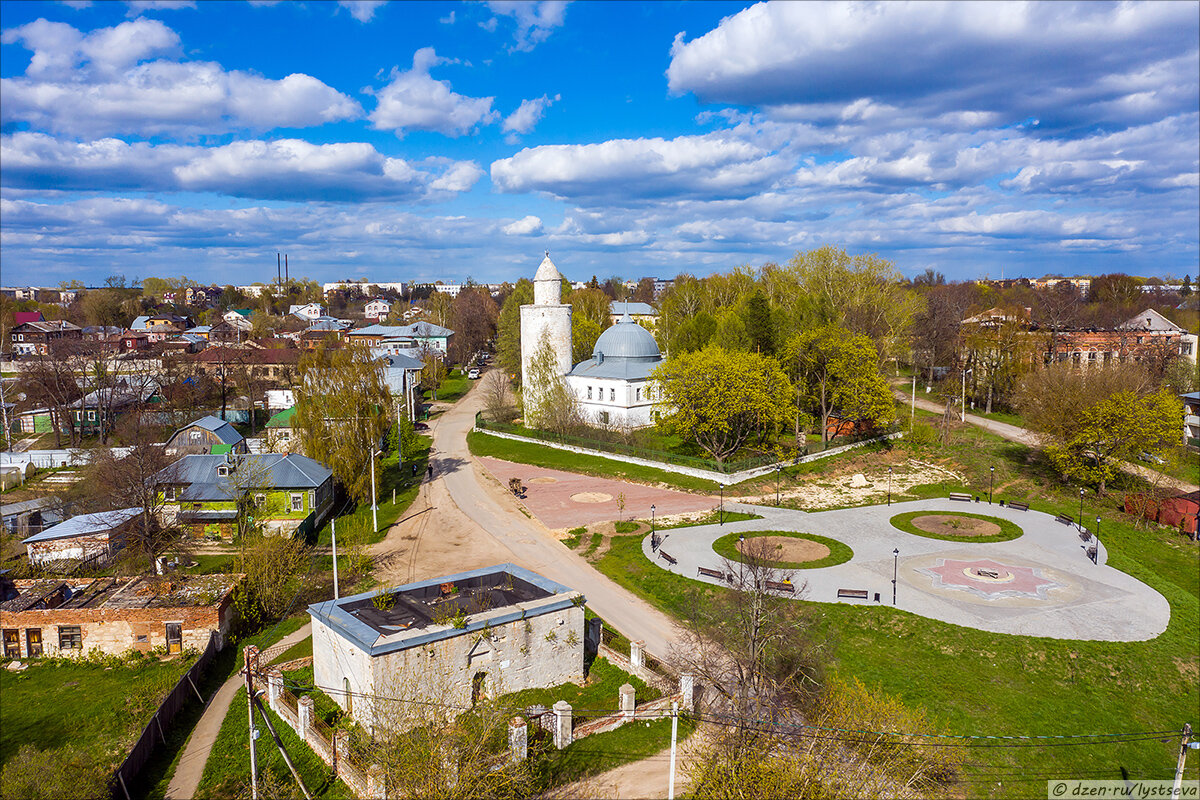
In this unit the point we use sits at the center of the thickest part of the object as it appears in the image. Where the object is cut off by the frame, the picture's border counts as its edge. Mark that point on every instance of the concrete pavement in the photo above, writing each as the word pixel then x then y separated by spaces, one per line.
pixel 1073 598
pixel 479 497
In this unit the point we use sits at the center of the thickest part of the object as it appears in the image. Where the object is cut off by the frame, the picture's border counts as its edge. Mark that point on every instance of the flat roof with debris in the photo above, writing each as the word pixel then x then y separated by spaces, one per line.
pixel 187 591
pixel 406 616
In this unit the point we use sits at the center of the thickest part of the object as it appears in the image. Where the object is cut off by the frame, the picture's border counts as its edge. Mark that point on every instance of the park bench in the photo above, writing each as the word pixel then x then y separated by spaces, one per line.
pixel 1065 519
pixel 667 558
pixel 1018 506
pixel 781 586
pixel 855 594
pixel 713 573
pixel 1093 553
pixel 964 496
pixel 1085 535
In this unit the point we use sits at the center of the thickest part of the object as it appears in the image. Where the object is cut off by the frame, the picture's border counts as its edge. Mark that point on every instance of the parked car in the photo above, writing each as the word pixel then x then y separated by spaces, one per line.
pixel 473 373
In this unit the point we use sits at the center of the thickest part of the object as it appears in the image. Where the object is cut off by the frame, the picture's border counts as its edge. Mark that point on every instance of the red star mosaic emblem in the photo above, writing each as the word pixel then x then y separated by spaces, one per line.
pixel 990 579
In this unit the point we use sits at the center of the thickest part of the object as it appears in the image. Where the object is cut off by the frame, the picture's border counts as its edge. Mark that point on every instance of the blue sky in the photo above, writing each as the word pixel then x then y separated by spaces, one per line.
pixel 423 141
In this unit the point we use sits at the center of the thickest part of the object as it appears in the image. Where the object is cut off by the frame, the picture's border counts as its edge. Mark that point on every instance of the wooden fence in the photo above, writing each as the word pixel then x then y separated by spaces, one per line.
pixel 154 734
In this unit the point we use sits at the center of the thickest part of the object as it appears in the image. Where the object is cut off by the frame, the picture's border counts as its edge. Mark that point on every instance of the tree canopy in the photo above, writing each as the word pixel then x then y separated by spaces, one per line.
pixel 838 372
pixel 719 398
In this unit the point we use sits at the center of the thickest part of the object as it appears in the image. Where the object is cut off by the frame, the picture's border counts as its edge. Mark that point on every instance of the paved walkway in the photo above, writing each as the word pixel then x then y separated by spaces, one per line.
pixel 190 769
pixel 1076 599
pixel 1026 436
pixel 566 499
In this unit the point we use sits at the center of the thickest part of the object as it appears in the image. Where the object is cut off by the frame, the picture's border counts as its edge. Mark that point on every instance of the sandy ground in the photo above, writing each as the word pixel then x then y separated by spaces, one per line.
pixel 835 492
pixel 950 525
pixel 785 548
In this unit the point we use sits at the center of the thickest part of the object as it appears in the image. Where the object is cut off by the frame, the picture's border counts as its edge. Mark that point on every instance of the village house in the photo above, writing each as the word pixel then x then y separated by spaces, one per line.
pixel 455 640
pixel 274 364
pixel 1191 418
pixel 206 435
pixel 88 537
pixel 308 311
pixel 71 617
pixel 291 493
pixel 160 327
pixel 238 317
pixel 377 309
pixel 641 313
pixel 404 338
pixel 37 338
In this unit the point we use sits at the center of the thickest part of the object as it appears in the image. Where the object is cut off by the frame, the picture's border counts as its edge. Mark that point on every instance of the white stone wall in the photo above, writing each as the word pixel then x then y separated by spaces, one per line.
pixel 553 321
pixel 541 651
pixel 335 659
pixel 627 410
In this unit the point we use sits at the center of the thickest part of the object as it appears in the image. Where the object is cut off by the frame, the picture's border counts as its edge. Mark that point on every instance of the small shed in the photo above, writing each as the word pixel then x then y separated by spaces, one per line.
pixel 203 435
pixel 79 538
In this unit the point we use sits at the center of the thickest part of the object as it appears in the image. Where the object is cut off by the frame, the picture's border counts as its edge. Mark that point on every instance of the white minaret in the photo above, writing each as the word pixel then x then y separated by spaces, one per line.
pixel 548 316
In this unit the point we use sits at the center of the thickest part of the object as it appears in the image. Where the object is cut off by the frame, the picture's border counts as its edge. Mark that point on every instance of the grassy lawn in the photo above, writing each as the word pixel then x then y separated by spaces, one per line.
pixel 604 751
pixel 975 682
pixel 99 708
pixel 301 649
pixel 1008 530
pixel 597 698
pixel 392 475
pixel 709 519
pixel 212 564
pixel 453 388
pixel 573 536
pixel 227 773
pixel 838 553
pixel 538 455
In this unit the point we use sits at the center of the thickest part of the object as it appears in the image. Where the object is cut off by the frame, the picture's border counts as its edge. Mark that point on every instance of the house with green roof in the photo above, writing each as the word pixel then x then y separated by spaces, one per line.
pixel 224 495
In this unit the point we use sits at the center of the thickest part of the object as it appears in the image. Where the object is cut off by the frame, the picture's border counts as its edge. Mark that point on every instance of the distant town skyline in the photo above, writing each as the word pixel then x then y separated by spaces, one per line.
pixel 427 141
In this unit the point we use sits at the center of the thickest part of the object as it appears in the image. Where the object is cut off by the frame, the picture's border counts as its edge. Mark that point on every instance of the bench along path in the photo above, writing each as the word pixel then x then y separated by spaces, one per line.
pixel 1071 597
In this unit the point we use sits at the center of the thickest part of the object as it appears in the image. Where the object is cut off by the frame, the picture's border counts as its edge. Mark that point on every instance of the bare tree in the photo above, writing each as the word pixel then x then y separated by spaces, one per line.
pixel 498 401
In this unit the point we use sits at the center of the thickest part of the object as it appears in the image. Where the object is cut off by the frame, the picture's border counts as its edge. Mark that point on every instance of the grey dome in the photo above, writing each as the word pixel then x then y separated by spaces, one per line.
pixel 627 339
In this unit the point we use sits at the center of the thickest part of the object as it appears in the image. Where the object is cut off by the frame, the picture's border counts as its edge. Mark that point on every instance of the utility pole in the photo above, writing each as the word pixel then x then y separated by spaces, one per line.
pixel 1183 748
pixel 333 531
pixel 675 731
pixel 282 752
pixel 912 417
pixel 250 712
pixel 374 507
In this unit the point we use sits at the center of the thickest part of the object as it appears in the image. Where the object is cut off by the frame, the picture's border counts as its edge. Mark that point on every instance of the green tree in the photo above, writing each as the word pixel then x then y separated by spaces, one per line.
pixel 584 333
pixel 693 334
pixel 508 329
pixel 1092 420
pixel 549 404
pixel 837 371
pixel 719 398
pixel 341 407
pixel 1185 288
pixel 755 313
pixel 434 373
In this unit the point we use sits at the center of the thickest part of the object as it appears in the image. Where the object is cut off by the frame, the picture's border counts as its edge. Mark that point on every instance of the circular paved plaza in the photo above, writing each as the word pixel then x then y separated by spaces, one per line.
pixel 1040 584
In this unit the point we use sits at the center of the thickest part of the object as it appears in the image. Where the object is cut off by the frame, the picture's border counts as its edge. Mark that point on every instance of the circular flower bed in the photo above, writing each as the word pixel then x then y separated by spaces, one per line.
pixel 794 550
pixel 956 526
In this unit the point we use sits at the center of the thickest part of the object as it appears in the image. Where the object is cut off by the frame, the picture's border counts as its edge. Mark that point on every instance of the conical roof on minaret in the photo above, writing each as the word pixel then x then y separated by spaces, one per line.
pixel 547 271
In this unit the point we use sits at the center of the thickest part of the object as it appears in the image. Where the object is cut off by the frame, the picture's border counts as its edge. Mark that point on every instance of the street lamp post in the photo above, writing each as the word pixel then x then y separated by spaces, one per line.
pixel 778 481
pixel 991 484
pixel 374 507
pixel 721 509
pixel 963 410
pixel 653 535
pixel 889 486
pixel 1096 560
pixel 1081 509
pixel 895 572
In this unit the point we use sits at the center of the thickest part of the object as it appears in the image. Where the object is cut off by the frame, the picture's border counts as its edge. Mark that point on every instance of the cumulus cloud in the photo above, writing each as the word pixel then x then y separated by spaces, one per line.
pixel 283 169
pixel 138 7
pixel 100 83
pixel 535 21
pixel 361 10
pixel 527 226
pixel 415 101
pixel 713 165
pixel 528 114
pixel 1072 65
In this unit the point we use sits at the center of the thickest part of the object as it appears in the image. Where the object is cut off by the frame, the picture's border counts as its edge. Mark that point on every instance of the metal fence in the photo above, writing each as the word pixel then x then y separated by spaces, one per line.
pixel 154 734
pixel 618 448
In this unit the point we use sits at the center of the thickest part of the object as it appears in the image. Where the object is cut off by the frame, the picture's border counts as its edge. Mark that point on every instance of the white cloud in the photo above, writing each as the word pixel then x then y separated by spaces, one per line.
pixel 415 101
pixel 361 10
pixel 448 19
pixel 528 114
pixel 1069 64
pixel 138 7
pixel 94 85
pixel 713 165
pixel 284 169
pixel 527 226
pixel 534 20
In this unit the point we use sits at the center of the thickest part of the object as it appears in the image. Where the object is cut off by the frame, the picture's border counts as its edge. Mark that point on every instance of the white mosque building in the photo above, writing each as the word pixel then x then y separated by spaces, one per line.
pixel 613 386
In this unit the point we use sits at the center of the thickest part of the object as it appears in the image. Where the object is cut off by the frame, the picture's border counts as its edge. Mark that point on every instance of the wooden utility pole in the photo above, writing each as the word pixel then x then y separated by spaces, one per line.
pixel 249 654
pixel 1183 748
pixel 282 752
